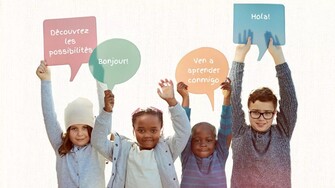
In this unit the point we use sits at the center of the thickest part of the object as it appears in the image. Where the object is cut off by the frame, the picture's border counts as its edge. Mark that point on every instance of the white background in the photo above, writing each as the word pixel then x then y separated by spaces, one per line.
pixel 164 31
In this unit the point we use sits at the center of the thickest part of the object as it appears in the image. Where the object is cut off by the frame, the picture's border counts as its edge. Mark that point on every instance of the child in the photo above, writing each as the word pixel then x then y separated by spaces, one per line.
pixel 204 157
pixel 148 161
pixel 261 152
pixel 78 164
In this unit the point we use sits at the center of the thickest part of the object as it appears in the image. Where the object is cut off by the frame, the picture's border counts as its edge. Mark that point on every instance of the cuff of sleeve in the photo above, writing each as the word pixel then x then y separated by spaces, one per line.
pixel 175 109
pixel 282 69
pixel 45 82
pixel 187 109
pixel 105 114
pixel 226 109
pixel 236 63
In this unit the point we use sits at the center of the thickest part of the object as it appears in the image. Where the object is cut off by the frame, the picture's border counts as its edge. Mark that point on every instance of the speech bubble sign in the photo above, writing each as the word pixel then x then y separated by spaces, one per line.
pixel 260 22
pixel 114 61
pixel 69 41
pixel 203 70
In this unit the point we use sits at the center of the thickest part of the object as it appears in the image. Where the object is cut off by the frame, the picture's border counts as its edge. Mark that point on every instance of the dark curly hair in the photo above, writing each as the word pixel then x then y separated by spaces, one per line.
pixel 263 94
pixel 151 111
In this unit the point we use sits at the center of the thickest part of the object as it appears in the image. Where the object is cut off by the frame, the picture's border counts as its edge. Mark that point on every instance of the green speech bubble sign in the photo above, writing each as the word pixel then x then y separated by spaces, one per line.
pixel 114 61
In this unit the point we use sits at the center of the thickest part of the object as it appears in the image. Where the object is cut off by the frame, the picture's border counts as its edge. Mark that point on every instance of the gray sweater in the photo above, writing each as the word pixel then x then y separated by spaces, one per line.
pixel 263 159
pixel 82 167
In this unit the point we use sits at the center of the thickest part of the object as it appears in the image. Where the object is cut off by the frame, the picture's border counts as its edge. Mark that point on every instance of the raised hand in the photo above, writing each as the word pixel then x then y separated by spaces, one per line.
pixel 242 50
pixel 109 101
pixel 166 92
pixel 43 71
pixel 182 89
pixel 226 91
pixel 276 53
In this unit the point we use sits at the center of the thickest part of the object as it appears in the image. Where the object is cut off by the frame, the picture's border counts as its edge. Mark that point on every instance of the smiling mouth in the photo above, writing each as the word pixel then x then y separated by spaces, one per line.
pixel 260 124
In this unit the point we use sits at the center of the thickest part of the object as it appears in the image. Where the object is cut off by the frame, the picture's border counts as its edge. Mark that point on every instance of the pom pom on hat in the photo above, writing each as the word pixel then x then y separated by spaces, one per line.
pixel 79 111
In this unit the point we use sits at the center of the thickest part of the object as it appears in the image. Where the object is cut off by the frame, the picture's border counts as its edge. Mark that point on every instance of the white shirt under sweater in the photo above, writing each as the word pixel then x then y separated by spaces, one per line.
pixel 142 169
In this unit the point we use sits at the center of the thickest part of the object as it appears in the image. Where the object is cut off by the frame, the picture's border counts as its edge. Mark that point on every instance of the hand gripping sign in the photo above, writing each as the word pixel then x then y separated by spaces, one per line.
pixel 69 41
pixel 260 22
pixel 114 61
pixel 203 70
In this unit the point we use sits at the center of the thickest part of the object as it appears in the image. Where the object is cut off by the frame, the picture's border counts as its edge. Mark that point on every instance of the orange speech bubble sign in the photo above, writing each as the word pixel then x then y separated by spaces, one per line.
pixel 203 70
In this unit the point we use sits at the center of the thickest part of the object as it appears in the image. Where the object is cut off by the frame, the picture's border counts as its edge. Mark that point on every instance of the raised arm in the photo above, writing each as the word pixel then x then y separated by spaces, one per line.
pixel 102 127
pixel 183 92
pixel 236 75
pixel 182 89
pixel 224 133
pixel 180 122
pixel 288 104
pixel 101 87
pixel 226 91
pixel 276 53
pixel 52 126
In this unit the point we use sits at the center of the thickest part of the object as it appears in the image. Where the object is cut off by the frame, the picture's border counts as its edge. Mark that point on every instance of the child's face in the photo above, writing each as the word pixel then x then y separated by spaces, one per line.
pixel 264 122
pixel 203 141
pixel 78 134
pixel 147 128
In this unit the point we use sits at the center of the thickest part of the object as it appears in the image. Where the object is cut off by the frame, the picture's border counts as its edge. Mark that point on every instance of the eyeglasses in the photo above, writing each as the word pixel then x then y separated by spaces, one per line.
pixel 257 115
pixel 149 109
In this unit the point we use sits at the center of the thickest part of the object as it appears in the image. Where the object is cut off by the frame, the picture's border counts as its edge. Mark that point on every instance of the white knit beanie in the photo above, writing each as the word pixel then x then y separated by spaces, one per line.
pixel 79 111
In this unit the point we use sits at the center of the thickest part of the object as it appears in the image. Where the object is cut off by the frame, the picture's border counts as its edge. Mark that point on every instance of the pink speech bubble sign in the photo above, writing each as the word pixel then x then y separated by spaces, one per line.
pixel 69 41
pixel 203 70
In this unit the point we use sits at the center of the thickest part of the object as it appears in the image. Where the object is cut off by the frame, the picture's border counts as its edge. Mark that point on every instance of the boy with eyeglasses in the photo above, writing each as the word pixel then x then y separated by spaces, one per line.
pixel 261 151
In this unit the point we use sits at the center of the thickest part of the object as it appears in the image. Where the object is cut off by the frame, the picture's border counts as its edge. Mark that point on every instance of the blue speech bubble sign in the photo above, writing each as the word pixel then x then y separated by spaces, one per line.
pixel 114 61
pixel 261 22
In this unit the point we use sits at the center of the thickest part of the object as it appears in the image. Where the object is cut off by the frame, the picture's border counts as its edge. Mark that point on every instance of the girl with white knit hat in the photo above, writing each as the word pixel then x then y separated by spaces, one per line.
pixel 78 164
